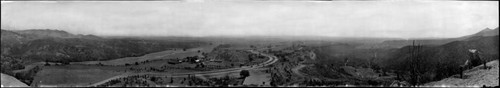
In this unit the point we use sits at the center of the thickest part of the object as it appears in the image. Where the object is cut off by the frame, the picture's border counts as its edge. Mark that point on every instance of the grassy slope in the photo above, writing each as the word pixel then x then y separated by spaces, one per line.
pixel 473 77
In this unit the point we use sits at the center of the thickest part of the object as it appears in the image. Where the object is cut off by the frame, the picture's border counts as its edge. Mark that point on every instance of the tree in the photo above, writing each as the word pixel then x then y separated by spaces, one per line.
pixel 225 81
pixel 46 63
pixel 171 79
pixel 153 79
pixel 244 73
pixel 346 60
pixel 250 59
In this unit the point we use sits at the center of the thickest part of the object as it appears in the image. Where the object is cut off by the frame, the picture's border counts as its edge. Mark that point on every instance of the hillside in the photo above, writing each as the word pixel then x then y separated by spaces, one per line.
pixel 9 38
pixel 29 46
pixel 476 77
pixel 45 33
pixel 442 61
pixel 61 45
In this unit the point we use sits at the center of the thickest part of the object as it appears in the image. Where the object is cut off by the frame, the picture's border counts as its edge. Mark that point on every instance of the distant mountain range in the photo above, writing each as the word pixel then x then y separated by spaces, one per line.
pixel 436 41
pixel 45 33
pixel 21 36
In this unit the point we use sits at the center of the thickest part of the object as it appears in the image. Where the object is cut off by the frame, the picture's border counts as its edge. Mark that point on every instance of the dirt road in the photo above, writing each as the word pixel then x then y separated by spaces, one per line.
pixel 272 59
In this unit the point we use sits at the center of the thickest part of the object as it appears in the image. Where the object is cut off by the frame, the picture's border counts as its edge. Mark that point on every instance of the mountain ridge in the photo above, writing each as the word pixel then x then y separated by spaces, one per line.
pixel 433 42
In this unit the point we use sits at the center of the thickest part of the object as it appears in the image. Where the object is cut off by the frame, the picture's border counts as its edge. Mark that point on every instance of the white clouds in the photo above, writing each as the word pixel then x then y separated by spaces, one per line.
pixel 349 19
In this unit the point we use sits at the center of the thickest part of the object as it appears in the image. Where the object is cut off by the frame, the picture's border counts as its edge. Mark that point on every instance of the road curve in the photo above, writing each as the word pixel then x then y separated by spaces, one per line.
pixel 272 59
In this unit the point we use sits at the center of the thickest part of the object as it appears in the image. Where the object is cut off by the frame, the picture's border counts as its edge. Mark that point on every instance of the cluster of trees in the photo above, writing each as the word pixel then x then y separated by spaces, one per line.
pixel 137 63
pixel 252 57
pixel 128 81
pixel 244 73
pixel 9 64
pixel 281 73
pixel 148 69
pixel 192 80
pixel 27 77
pixel 192 59
pixel 312 82
pixel 225 81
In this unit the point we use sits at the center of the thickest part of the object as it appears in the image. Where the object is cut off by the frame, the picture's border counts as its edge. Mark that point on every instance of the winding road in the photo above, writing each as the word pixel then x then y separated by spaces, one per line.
pixel 272 59
pixel 296 70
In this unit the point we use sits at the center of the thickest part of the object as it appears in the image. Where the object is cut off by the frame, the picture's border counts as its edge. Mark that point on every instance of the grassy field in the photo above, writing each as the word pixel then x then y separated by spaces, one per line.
pixel 257 77
pixel 167 54
pixel 71 77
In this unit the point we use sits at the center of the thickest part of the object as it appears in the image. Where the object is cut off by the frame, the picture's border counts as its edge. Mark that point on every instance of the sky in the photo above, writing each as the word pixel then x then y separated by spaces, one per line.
pixel 391 19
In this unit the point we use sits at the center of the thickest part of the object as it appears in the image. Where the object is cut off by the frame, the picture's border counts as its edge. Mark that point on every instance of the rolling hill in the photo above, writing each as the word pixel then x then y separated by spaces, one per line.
pixel 22 47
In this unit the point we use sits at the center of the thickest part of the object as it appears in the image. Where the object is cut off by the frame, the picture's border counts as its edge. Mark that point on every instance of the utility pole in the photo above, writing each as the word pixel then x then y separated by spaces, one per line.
pixel 412 63
pixel 370 61
pixel 418 62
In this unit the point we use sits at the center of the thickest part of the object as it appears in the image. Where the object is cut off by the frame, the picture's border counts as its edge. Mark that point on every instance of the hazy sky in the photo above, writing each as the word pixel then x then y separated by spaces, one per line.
pixel 403 19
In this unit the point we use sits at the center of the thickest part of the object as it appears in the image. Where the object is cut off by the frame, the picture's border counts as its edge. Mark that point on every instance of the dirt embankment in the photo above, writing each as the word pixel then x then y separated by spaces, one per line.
pixel 9 81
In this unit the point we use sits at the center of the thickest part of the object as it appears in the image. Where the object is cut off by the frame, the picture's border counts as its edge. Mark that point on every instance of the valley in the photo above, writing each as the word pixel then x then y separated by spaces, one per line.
pixel 267 62
pixel 250 43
